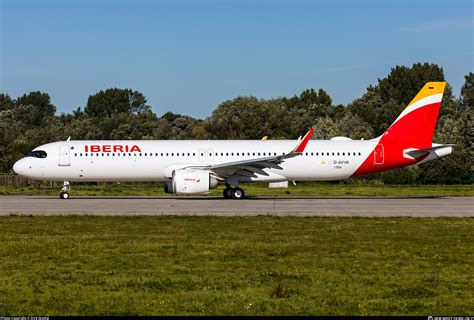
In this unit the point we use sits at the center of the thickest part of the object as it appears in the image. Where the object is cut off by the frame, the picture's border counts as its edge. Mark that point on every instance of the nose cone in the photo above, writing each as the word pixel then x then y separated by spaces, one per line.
pixel 20 167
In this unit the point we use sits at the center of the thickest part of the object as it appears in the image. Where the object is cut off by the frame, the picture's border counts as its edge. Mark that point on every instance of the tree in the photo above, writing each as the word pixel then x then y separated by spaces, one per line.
pixel 467 90
pixel 35 106
pixel 403 83
pixel 381 104
pixel 115 100
pixel 6 103
pixel 372 108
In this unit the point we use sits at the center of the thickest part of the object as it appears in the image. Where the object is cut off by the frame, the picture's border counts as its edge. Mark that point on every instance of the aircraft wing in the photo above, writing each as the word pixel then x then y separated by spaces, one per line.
pixel 251 167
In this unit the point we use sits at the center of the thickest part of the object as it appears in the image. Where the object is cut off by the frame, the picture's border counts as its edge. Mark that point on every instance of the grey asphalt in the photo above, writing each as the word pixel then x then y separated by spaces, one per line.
pixel 200 206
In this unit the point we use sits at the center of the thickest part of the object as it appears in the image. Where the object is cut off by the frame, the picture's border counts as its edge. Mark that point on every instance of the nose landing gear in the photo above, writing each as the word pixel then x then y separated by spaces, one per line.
pixel 64 194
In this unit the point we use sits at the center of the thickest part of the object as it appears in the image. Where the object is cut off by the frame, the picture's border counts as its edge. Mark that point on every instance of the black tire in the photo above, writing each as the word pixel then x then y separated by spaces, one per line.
pixel 64 195
pixel 226 193
pixel 238 193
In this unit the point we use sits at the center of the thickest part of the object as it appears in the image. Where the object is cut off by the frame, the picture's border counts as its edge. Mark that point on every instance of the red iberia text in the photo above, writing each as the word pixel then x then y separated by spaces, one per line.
pixel 112 148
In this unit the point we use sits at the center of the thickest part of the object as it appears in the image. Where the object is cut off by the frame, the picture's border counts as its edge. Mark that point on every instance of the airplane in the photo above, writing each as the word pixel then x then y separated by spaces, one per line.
pixel 196 166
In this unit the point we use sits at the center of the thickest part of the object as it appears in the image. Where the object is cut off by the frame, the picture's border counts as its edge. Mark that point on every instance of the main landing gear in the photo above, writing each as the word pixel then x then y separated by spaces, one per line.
pixel 233 193
pixel 64 191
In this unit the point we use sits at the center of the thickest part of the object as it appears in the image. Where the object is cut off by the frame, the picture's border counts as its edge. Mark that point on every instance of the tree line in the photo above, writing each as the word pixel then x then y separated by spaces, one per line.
pixel 31 120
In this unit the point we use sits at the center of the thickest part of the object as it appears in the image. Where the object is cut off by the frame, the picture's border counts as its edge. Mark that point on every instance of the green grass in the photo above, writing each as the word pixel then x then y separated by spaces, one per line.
pixel 258 189
pixel 84 265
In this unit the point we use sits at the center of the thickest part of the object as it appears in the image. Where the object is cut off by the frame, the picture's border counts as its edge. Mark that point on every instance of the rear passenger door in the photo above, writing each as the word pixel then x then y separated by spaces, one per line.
pixel 378 154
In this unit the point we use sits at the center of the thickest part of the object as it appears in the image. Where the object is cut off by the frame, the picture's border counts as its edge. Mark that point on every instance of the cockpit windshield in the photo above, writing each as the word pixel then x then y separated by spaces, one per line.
pixel 36 154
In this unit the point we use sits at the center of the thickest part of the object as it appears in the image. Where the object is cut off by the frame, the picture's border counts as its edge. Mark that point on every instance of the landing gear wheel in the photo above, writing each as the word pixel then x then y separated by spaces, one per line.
pixel 64 195
pixel 64 190
pixel 238 193
pixel 227 193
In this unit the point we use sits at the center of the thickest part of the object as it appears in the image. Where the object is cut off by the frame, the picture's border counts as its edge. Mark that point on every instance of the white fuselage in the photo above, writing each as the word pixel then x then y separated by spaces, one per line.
pixel 156 160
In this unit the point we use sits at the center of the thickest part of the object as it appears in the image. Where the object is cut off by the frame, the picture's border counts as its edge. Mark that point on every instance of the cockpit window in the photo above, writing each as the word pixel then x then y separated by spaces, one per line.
pixel 37 154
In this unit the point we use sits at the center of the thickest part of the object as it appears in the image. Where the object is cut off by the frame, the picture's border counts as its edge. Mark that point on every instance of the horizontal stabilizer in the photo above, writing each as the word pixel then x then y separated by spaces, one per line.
pixel 435 152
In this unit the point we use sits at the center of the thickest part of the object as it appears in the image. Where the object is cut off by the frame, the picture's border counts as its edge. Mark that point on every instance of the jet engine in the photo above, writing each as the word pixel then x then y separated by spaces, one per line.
pixel 187 181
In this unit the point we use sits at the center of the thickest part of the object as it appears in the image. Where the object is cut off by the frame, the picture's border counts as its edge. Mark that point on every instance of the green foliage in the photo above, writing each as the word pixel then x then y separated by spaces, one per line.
pixel 403 83
pixel 467 90
pixel 114 100
pixel 6 102
pixel 114 113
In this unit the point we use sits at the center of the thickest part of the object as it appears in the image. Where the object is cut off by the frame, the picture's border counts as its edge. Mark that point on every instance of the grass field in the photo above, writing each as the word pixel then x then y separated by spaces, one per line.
pixel 84 265
pixel 259 189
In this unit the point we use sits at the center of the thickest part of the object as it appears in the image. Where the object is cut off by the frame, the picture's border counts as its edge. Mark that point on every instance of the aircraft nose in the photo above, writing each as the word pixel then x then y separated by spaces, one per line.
pixel 20 167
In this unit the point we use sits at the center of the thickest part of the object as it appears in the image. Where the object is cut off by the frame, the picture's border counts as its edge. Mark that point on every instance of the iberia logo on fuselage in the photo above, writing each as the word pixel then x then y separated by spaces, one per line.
pixel 112 148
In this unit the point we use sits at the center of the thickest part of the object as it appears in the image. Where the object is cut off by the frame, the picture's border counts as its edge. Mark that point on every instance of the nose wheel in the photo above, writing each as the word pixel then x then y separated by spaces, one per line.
pixel 64 194
pixel 233 193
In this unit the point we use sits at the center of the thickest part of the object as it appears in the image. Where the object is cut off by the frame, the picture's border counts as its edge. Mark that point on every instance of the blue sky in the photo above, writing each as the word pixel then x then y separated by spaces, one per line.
pixel 188 56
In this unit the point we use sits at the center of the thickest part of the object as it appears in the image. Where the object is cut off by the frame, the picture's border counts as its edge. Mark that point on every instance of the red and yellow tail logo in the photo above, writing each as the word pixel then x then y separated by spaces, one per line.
pixel 415 126
pixel 413 129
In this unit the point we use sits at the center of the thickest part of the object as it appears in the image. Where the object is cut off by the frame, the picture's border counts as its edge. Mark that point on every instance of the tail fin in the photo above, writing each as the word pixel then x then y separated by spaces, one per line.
pixel 415 126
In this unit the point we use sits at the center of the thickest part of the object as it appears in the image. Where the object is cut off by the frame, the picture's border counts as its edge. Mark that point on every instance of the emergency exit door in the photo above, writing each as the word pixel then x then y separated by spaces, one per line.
pixel 64 155
pixel 378 154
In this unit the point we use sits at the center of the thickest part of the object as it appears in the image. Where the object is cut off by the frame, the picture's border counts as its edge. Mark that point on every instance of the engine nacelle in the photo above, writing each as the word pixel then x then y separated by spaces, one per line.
pixel 186 181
